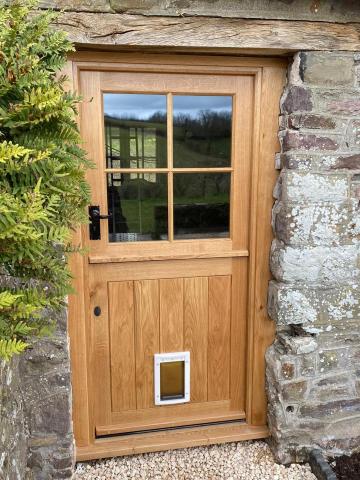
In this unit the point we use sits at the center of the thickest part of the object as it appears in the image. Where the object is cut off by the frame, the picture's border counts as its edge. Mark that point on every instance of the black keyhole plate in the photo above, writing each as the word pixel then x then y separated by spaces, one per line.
pixel 97 311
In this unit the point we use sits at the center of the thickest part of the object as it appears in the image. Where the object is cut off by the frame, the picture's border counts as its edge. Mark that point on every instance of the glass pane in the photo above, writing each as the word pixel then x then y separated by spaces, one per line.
pixel 202 131
pixel 135 130
pixel 138 205
pixel 172 376
pixel 201 205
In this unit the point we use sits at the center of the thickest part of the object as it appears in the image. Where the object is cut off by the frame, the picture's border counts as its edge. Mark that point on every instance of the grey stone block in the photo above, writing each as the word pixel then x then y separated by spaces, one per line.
pixel 327 68
pixel 314 187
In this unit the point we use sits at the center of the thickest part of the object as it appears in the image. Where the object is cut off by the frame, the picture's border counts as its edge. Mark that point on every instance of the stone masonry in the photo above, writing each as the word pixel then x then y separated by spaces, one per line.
pixel 46 392
pixel 13 449
pixel 36 440
pixel 313 368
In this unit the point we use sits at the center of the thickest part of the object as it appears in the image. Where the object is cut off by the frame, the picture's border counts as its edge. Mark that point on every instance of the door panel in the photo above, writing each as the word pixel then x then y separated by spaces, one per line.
pixel 147 328
pixel 171 315
pixel 165 315
pixel 169 272
pixel 122 352
pixel 195 334
pixel 143 163
pixel 219 338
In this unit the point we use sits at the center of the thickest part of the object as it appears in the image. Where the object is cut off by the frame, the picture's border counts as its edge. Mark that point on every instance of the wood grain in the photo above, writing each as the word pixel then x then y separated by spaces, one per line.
pixel 219 338
pixel 146 339
pixel 328 10
pixel 195 334
pixel 239 339
pixel 116 272
pixel 170 416
pixel 122 333
pixel 161 257
pixel 171 315
pixel 158 441
pixel 205 32
pixel 261 328
pixel 77 320
pixel 100 350
pixel 191 263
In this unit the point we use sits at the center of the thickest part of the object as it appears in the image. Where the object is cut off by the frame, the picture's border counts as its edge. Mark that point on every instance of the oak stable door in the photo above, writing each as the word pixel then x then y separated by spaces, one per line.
pixel 168 247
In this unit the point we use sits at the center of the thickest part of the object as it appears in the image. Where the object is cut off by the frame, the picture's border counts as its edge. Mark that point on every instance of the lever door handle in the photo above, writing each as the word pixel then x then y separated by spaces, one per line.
pixel 94 213
pixel 95 217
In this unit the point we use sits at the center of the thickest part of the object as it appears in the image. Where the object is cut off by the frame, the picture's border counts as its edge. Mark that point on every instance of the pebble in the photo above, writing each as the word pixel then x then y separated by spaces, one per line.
pixel 251 460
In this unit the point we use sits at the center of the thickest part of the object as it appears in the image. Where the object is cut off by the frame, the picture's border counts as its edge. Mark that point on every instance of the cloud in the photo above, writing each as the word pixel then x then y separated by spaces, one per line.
pixel 142 106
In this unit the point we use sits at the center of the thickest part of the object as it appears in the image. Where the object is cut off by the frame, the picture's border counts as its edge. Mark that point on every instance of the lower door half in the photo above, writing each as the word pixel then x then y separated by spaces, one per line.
pixel 139 309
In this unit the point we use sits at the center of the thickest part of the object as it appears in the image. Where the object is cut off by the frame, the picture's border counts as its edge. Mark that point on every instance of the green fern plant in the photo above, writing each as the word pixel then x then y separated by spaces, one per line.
pixel 43 192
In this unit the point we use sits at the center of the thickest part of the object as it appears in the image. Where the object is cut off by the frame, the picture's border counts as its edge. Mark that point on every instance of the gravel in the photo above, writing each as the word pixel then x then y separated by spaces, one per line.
pixel 231 461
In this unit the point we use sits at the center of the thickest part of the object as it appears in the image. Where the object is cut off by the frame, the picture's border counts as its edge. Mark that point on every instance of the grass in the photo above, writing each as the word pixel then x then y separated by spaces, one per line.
pixel 130 210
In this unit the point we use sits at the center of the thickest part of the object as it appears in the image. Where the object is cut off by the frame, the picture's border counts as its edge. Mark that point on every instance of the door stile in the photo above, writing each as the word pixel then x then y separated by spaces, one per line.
pixel 100 354
pixel 253 230
pixel 238 334
pixel 243 146
pixel 263 329
pixel 92 132
pixel 77 316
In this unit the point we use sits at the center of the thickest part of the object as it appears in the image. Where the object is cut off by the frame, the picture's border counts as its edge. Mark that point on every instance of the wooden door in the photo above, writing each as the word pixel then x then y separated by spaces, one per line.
pixel 168 271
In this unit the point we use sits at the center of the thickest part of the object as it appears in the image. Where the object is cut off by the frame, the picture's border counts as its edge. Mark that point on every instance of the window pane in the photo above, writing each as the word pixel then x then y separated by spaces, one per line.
pixel 201 205
pixel 135 130
pixel 138 204
pixel 202 131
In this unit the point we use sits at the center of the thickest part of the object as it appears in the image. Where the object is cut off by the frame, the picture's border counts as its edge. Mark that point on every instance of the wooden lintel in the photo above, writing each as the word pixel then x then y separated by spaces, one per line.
pixel 207 33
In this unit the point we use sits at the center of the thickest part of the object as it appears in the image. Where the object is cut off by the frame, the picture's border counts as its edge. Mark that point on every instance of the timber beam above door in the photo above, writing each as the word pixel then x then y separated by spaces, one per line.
pixel 228 35
pixel 220 281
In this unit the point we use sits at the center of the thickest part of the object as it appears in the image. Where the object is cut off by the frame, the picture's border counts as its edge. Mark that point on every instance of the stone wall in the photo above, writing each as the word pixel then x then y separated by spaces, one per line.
pixel 13 443
pixel 313 369
pixel 46 390
pixel 36 441
pixel 311 10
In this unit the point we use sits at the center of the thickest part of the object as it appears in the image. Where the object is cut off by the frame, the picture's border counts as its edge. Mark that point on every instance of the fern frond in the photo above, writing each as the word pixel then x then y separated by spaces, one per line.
pixel 8 348
pixel 43 192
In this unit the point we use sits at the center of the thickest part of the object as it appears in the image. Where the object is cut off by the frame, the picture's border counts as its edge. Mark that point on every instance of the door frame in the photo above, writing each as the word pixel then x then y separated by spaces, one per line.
pixel 269 79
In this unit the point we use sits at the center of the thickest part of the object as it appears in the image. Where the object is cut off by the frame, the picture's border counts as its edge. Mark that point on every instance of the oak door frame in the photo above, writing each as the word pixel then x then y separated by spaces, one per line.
pixel 269 79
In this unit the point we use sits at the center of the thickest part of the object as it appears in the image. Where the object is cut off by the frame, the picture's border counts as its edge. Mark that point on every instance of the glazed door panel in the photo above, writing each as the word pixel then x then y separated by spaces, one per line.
pixel 168 243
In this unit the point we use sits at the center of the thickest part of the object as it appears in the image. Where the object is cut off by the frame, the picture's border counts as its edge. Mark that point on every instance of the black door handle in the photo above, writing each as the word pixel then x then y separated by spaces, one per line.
pixel 95 217
pixel 94 214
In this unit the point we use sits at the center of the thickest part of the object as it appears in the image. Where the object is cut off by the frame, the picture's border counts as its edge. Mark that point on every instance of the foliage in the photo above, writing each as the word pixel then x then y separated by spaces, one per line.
pixel 43 192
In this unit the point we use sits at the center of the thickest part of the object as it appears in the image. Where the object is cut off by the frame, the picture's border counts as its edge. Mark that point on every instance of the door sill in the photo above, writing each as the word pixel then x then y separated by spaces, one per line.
pixel 171 439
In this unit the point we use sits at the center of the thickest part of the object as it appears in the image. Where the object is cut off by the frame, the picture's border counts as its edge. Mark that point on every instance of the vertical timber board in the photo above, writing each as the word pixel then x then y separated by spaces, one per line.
pixel 241 211
pixel 172 315
pixel 147 328
pixel 99 361
pixel 77 320
pixel 238 333
pixel 219 338
pixel 263 329
pixel 196 334
pixel 78 347
pixel 122 334
pixel 95 289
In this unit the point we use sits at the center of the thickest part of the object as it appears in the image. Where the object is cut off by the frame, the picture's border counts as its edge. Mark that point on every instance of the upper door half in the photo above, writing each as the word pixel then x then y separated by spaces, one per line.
pixel 172 160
